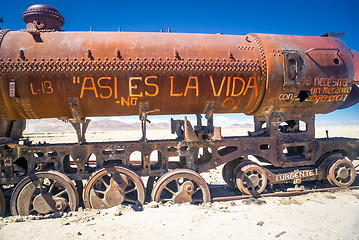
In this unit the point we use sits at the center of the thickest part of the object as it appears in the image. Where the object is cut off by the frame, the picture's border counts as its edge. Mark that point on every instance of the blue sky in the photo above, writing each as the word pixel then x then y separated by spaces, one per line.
pixel 229 17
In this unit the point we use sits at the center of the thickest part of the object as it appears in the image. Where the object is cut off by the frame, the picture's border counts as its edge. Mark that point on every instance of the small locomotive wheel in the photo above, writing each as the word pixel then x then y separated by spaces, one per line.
pixel 43 193
pixel 112 186
pixel 251 179
pixel 341 173
pixel 181 186
pixel 2 204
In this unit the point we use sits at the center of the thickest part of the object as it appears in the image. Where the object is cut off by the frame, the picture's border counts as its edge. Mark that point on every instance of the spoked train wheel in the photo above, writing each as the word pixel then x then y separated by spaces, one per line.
pixel 181 186
pixel 251 179
pixel 44 193
pixel 341 173
pixel 112 186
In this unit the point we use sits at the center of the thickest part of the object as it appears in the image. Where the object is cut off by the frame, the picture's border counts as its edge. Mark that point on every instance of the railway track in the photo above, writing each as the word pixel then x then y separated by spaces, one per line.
pixel 283 194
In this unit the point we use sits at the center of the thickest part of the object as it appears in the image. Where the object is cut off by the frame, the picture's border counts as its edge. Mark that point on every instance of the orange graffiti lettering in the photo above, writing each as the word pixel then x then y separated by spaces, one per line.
pixel 104 87
pixel 32 89
pixel 228 86
pixel 217 94
pixel 124 102
pixel 192 87
pixel 234 86
pixel 152 85
pixel 251 86
pixel 92 87
pixel 171 92
pixel 132 87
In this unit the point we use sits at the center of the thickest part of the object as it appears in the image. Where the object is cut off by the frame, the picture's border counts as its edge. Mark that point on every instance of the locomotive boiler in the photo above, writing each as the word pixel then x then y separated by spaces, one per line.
pixel 281 80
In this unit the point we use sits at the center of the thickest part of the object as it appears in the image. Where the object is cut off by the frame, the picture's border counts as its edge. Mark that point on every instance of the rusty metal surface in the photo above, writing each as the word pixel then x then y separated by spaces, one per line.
pixel 43 193
pixel 112 186
pixel 228 171
pixel 251 74
pixel 180 186
pixel 341 173
pixel 251 179
pixel 321 66
pixel 42 17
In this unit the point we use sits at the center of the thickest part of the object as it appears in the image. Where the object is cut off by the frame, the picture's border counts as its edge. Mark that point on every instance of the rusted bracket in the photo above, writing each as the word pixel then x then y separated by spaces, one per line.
pixel 209 116
pixel 143 112
pixel 78 122
pixel 177 127
pixel 17 129
pixel 33 31
pixel 184 130
pixel 189 133
pixel 199 121
pixel 8 165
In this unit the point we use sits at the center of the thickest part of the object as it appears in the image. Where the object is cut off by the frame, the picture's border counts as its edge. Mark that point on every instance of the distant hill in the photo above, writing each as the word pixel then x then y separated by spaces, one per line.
pixel 55 125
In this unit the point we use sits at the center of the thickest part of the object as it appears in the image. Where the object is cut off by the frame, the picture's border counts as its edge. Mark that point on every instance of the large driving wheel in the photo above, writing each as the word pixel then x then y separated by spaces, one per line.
pixel 251 179
pixel 112 186
pixel 44 193
pixel 181 186
pixel 341 173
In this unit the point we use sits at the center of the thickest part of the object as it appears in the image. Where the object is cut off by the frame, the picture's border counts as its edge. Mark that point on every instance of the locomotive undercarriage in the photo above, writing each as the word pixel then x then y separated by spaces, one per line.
pixel 282 149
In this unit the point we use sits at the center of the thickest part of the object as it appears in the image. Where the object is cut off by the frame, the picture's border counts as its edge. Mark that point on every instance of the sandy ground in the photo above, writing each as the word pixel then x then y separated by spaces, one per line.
pixel 310 216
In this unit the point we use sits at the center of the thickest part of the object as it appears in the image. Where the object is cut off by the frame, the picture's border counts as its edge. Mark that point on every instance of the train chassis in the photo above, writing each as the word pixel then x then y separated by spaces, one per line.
pixel 282 143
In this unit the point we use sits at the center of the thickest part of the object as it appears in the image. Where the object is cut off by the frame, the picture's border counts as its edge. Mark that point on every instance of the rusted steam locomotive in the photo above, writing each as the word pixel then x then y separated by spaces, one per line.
pixel 283 81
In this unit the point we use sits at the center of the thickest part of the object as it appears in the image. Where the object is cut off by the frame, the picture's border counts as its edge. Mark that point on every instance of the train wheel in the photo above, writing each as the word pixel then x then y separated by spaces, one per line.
pixel 2 204
pixel 44 193
pixel 251 179
pixel 181 186
pixel 341 173
pixel 228 172
pixel 112 186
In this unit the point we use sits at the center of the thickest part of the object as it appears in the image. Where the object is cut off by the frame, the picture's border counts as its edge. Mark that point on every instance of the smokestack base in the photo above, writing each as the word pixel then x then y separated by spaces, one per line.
pixel 43 18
